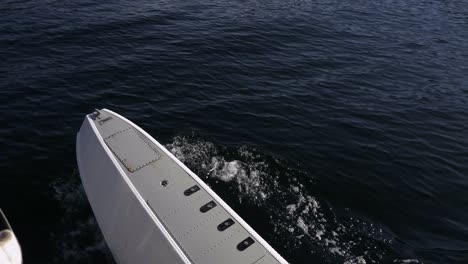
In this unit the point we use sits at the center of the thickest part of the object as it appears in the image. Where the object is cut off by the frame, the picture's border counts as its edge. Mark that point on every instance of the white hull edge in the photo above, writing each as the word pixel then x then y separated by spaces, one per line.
pixel 135 230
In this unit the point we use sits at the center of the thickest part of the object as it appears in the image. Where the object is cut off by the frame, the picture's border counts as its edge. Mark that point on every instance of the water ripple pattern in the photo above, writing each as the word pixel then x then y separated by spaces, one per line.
pixel 336 128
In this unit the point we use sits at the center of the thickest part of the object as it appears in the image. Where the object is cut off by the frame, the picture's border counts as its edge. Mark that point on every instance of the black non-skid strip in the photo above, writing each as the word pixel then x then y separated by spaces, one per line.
pixel 245 244
pixel 205 208
pixel 102 121
pixel 191 190
pixel 226 224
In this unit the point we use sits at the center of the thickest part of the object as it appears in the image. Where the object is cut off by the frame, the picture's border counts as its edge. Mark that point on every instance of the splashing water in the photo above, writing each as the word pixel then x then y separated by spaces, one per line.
pixel 299 220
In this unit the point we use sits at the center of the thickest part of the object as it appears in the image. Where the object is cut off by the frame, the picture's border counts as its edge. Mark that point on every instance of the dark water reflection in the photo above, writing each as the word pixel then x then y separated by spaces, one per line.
pixel 345 122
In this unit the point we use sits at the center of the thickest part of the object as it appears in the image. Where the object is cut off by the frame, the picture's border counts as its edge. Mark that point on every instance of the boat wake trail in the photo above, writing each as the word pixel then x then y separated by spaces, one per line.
pixel 284 197
pixel 278 200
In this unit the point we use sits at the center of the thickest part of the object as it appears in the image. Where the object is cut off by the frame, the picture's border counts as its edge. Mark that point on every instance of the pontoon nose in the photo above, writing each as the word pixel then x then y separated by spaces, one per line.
pixel 10 250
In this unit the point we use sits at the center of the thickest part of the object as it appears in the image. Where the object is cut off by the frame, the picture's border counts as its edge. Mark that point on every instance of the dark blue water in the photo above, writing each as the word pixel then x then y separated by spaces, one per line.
pixel 337 129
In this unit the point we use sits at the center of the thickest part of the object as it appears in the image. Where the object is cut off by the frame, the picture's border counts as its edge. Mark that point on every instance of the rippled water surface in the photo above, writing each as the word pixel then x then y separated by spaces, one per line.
pixel 337 129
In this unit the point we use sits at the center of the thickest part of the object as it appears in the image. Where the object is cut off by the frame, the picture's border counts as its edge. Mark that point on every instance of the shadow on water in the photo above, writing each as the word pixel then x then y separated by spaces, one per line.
pixel 78 239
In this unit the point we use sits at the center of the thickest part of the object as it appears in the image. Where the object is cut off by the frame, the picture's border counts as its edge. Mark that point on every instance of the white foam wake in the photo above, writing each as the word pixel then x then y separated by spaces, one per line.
pixel 298 215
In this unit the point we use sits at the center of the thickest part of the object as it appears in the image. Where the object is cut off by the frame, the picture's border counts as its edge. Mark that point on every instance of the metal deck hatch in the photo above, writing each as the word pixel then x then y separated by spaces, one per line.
pixel 132 149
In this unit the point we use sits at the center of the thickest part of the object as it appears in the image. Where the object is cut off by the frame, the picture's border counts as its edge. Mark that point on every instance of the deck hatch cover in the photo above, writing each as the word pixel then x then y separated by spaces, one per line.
pixel 132 149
